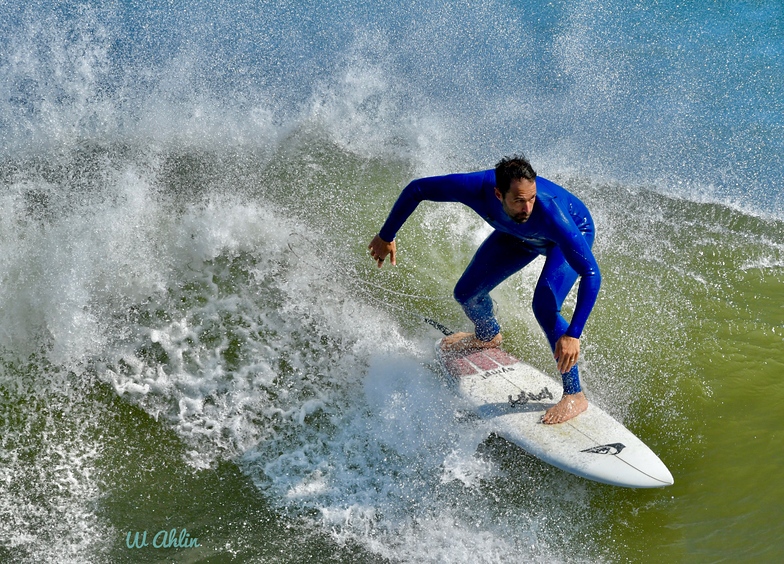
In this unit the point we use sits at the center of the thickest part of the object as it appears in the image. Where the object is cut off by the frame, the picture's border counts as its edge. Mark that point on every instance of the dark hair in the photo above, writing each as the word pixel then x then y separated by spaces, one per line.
pixel 511 168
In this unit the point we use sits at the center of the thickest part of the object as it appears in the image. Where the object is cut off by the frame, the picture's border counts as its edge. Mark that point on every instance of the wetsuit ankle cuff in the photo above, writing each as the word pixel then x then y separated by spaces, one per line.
pixel 571 382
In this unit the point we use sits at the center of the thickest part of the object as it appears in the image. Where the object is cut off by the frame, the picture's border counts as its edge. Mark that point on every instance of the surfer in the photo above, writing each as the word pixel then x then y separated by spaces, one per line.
pixel 531 216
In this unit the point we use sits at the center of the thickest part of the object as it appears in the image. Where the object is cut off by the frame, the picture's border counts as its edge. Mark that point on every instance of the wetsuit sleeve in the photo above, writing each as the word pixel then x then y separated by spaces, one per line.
pixel 578 254
pixel 464 188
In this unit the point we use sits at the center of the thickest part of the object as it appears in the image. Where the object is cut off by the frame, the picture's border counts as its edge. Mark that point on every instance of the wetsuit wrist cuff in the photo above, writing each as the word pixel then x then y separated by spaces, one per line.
pixel 386 237
pixel 575 334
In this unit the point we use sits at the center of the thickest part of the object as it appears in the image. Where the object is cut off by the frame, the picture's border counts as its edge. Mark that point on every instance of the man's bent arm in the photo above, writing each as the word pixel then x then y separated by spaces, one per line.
pixel 579 255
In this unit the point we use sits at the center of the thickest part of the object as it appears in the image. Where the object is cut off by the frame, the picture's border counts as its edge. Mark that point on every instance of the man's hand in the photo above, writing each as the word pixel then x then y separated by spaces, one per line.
pixel 380 249
pixel 567 351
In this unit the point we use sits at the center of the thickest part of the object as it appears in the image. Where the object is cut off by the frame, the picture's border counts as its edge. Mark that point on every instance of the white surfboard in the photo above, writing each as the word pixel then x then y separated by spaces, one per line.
pixel 515 395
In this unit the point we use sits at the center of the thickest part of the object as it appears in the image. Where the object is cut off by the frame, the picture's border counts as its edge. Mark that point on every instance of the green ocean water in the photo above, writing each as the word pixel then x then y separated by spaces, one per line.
pixel 197 340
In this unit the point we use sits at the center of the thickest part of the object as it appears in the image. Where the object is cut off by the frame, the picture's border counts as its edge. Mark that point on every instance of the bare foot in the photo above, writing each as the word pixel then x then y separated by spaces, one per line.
pixel 458 342
pixel 569 407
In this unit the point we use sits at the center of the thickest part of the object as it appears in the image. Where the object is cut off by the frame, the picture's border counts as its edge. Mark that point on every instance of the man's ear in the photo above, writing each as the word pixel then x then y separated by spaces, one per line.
pixel 498 194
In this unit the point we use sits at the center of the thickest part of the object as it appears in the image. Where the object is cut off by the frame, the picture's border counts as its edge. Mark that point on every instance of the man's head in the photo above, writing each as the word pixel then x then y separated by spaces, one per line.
pixel 516 187
pixel 516 167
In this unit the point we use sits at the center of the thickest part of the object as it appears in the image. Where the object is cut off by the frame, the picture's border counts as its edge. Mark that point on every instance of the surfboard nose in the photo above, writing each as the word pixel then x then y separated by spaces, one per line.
pixel 665 477
pixel 644 470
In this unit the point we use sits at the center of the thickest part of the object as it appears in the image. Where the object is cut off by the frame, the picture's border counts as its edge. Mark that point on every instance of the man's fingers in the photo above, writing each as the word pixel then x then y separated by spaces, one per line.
pixel 375 253
pixel 566 362
pixel 379 257
pixel 559 357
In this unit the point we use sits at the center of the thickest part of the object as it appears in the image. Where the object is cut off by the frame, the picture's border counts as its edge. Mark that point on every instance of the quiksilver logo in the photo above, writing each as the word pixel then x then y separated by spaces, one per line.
pixel 614 448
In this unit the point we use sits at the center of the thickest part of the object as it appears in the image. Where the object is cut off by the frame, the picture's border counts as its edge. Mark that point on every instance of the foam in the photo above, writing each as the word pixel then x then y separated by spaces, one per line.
pixel 378 481
pixel 47 509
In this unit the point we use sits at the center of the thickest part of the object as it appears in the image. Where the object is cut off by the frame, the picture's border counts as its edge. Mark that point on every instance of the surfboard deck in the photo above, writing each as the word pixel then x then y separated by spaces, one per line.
pixel 515 396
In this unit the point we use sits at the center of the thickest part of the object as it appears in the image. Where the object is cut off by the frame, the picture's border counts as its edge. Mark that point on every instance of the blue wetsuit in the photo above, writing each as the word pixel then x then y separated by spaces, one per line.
pixel 559 227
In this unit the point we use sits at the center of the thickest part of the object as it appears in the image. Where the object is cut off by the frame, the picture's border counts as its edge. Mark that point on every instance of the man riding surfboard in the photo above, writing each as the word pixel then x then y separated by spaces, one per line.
pixel 531 216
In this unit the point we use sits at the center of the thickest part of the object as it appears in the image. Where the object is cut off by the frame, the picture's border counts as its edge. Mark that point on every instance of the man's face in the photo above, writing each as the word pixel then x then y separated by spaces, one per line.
pixel 519 200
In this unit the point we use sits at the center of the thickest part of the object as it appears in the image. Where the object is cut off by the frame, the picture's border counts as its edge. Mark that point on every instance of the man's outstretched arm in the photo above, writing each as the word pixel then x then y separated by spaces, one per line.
pixel 450 188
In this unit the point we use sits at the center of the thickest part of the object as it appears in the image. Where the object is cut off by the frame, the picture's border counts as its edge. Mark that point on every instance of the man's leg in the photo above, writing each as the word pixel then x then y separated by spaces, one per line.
pixel 499 257
pixel 554 284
